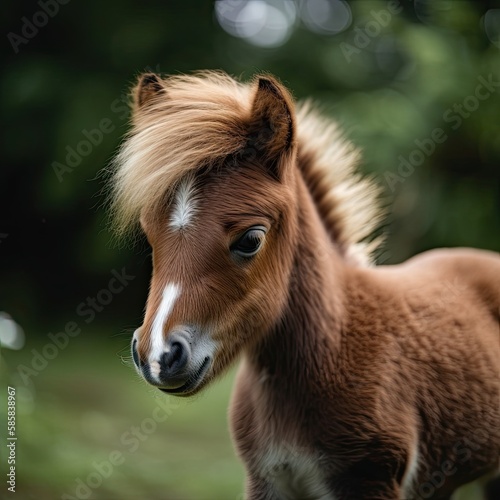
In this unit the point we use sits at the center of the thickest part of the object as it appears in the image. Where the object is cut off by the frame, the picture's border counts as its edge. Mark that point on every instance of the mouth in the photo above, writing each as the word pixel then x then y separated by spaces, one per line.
pixel 193 381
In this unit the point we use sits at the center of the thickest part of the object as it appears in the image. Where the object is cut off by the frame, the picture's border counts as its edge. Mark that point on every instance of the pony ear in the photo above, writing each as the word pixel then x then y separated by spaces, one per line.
pixel 148 87
pixel 272 121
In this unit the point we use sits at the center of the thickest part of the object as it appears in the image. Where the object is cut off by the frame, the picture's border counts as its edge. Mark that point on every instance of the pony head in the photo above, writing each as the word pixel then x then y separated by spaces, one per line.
pixel 208 172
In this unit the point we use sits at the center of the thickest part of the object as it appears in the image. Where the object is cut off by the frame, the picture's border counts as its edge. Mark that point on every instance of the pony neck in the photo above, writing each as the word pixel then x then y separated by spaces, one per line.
pixel 292 355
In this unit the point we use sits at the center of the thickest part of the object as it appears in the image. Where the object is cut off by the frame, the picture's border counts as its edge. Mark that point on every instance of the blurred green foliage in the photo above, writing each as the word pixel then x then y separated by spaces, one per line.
pixel 393 90
pixel 71 418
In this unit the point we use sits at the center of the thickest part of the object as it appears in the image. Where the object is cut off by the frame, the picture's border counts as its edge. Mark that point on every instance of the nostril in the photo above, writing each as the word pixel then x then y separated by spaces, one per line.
pixel 175 360
pixel 176 353
pixel 135 356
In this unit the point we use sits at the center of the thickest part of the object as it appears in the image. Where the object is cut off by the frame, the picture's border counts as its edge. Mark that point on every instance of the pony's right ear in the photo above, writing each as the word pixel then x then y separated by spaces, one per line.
pixel 149 87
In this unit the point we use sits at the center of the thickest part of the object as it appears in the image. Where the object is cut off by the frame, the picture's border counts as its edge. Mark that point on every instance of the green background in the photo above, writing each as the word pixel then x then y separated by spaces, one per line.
pixel 56 249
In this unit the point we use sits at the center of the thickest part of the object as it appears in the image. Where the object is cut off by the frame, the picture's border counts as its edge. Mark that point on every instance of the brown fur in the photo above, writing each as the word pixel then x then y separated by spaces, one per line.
pixel 353 378
pixel 207 118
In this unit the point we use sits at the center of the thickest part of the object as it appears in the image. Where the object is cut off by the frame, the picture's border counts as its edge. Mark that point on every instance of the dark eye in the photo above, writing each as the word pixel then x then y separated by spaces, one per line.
pixel 248 244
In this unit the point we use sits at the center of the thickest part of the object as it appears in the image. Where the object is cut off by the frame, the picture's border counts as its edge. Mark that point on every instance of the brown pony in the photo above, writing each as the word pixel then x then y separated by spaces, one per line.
pixel 356 382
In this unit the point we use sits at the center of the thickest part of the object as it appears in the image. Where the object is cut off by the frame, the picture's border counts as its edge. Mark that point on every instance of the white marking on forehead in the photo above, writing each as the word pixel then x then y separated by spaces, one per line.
pixel 185 204
pixel 170 295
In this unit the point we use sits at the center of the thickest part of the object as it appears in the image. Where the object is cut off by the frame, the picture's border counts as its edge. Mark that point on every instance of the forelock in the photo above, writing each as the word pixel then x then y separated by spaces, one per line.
pixel 198 121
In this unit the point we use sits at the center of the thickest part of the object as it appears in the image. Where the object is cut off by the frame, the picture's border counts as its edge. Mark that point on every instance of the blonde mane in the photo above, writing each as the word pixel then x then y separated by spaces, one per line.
pixel 198 120
pixel 347 201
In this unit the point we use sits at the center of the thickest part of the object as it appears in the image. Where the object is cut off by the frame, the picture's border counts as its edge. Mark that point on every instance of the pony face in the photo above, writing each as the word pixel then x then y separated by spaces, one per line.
pixel 221 260
pixel 223 248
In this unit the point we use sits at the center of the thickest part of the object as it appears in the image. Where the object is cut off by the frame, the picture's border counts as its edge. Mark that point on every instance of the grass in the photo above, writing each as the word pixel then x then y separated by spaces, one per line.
pixel 87 407
pixel 87 404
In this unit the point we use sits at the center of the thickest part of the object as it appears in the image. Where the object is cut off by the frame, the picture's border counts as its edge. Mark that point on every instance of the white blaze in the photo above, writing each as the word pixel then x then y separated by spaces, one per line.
pixel 170 295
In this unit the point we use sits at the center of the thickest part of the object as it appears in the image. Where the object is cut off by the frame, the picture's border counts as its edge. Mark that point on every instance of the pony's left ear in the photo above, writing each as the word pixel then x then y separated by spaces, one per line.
pixel 272 122
pixel 149 87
